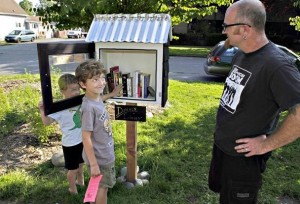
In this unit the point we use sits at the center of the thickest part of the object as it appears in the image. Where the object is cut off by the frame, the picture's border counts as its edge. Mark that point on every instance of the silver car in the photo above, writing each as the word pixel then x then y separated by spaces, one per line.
pixel 219 59
pixel 20 36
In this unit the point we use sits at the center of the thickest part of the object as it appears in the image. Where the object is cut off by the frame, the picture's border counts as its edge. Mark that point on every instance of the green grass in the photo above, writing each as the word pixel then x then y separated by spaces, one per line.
pixel 174 147
pixel 188 51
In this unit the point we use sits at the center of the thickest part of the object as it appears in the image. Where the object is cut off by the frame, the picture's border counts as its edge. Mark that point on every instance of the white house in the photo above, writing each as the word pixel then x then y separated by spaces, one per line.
pixel 33 23
pixel 13 16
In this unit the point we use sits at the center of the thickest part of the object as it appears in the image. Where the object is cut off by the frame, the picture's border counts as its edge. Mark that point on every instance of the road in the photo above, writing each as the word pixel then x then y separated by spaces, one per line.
pixel 22 58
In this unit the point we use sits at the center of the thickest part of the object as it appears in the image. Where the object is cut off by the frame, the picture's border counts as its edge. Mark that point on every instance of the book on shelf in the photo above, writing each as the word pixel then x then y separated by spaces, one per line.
pixel 110 82
pixel 113 78
pixel 114 69
pixel 146 83
pixel 135 84
pixel 129 87
pixel 125 76
pixel 141 85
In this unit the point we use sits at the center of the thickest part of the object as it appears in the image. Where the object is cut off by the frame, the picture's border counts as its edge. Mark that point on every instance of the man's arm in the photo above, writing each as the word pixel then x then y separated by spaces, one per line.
pixel 288 132
pixel 89 150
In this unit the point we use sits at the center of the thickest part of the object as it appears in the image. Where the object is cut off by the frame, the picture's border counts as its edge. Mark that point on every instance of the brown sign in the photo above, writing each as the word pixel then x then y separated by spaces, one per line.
pixel 130 113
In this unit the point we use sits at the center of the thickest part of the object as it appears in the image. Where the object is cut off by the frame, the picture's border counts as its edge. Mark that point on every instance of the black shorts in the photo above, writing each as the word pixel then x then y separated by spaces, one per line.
pixel 73 156
pixel 237 179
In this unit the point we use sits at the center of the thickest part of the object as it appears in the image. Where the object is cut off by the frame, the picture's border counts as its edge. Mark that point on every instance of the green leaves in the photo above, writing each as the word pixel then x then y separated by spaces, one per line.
pixel 295 22
pixel 69 14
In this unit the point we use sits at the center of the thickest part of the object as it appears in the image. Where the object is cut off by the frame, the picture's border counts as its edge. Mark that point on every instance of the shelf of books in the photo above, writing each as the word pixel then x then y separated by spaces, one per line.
pixel 138 69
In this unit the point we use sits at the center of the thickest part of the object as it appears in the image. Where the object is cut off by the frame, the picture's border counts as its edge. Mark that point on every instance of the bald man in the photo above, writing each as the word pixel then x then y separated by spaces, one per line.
pixel 262 83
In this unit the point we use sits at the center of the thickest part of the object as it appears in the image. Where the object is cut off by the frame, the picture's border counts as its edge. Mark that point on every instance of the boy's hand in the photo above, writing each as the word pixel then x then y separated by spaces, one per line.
pixel 41 105
pixel 117 91
pixel 95 171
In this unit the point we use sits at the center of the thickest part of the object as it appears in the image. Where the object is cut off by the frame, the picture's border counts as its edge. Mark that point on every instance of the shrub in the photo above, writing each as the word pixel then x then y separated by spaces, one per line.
pixel 19 105
pixel 213 38
pixel 5 107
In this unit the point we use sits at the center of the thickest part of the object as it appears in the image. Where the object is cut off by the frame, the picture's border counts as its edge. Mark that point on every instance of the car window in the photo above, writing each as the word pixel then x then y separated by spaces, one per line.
pixel 15 32
pixel 227 56
pixel 229 52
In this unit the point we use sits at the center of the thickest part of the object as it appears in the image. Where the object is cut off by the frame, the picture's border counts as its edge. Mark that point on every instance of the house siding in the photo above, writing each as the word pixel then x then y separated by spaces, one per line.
pixel 9 23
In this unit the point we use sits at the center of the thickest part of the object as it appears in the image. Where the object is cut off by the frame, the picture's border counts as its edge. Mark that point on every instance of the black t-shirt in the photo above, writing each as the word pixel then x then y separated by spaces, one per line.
pixel 259 86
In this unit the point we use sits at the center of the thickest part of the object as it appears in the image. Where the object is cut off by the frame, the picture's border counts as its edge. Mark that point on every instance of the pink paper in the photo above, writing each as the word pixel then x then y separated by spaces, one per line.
pixel 92 189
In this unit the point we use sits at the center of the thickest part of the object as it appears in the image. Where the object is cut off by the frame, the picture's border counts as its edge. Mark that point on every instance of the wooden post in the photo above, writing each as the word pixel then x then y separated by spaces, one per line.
pixel 131 143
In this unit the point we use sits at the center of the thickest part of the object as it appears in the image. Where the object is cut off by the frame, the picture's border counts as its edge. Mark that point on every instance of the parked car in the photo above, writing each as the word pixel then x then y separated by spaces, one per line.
pixel 76 33
pixel 20 35
pixel 219 59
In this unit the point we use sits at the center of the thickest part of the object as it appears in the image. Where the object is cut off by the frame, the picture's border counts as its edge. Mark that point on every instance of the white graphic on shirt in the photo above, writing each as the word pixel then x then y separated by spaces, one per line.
pixel 102 117
pixel 107 126
pixel 233 88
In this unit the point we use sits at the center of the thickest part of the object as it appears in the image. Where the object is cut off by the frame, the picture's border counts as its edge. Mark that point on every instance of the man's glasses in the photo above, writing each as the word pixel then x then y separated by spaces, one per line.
pixel 224 25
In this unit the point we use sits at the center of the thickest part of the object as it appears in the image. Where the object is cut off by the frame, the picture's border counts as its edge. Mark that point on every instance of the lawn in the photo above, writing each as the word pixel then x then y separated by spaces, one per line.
pixel 174 147
pixel 189 51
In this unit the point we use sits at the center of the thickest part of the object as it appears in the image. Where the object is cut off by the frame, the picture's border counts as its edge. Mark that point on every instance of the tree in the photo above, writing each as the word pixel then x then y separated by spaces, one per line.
pixel 295 21
pixel 68 14
pixel 278 7
pixel 27 6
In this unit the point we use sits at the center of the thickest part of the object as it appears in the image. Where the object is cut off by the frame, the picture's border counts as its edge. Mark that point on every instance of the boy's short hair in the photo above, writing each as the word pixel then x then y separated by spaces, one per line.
pixel 65 80
pixel 88 69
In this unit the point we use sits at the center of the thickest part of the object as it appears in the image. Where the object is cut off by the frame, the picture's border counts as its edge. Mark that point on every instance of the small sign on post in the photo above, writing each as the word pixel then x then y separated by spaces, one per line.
pixel 130 113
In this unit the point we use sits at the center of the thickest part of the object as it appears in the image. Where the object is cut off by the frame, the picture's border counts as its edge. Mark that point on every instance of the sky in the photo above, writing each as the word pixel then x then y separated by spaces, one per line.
pixel 34 2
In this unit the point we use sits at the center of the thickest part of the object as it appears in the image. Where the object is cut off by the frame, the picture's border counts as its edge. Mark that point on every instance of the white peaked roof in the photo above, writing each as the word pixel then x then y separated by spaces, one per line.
pixel 143 28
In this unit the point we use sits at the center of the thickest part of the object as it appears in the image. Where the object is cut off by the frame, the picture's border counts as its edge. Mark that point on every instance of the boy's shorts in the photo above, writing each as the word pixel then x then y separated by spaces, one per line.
pixel 108 175
pixel 237 179
pixel 73 156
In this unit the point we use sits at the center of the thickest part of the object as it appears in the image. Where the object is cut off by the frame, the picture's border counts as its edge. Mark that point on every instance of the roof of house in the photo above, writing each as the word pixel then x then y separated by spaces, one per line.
pixel 11 7
pixel 34 19
pixel 144 28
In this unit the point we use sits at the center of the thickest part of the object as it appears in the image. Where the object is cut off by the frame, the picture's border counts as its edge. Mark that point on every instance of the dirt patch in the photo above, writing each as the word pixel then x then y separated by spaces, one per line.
pixel 21 149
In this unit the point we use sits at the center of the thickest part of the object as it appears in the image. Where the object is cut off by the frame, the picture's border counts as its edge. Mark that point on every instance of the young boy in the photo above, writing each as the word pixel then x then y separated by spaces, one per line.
pixel 69 122
pixel 96 128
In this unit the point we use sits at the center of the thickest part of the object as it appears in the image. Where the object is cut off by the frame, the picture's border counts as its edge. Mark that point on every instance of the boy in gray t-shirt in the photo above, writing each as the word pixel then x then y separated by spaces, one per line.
pixel 96 127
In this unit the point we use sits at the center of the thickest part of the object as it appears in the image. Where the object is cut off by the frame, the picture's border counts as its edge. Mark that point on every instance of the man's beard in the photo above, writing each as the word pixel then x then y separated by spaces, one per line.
pixel 227 44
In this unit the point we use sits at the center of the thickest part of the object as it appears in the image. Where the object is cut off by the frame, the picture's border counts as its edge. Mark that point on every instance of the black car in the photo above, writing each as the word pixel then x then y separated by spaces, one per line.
pixel 219 59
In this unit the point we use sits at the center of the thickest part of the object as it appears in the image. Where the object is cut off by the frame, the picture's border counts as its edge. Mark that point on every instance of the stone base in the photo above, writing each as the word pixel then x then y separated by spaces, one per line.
pixel 142 178
pixel 58 159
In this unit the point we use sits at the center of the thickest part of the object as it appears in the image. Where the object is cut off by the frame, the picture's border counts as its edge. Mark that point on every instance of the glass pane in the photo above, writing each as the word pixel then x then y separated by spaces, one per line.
pixel 63 64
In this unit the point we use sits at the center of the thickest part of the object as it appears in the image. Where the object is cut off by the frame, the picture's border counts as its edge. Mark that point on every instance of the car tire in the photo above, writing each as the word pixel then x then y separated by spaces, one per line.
pixel 32 39
pixel 18 40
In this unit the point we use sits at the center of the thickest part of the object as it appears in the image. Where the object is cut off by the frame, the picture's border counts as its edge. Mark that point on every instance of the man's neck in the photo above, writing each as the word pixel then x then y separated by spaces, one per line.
pixel 253 44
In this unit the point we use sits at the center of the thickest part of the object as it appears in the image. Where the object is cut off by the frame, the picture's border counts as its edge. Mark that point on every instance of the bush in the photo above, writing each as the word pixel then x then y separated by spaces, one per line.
pixel 19 106
pixel 5 107
pixel 188 39
pixel 213 38
pixel 196 39
pixel 285 40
